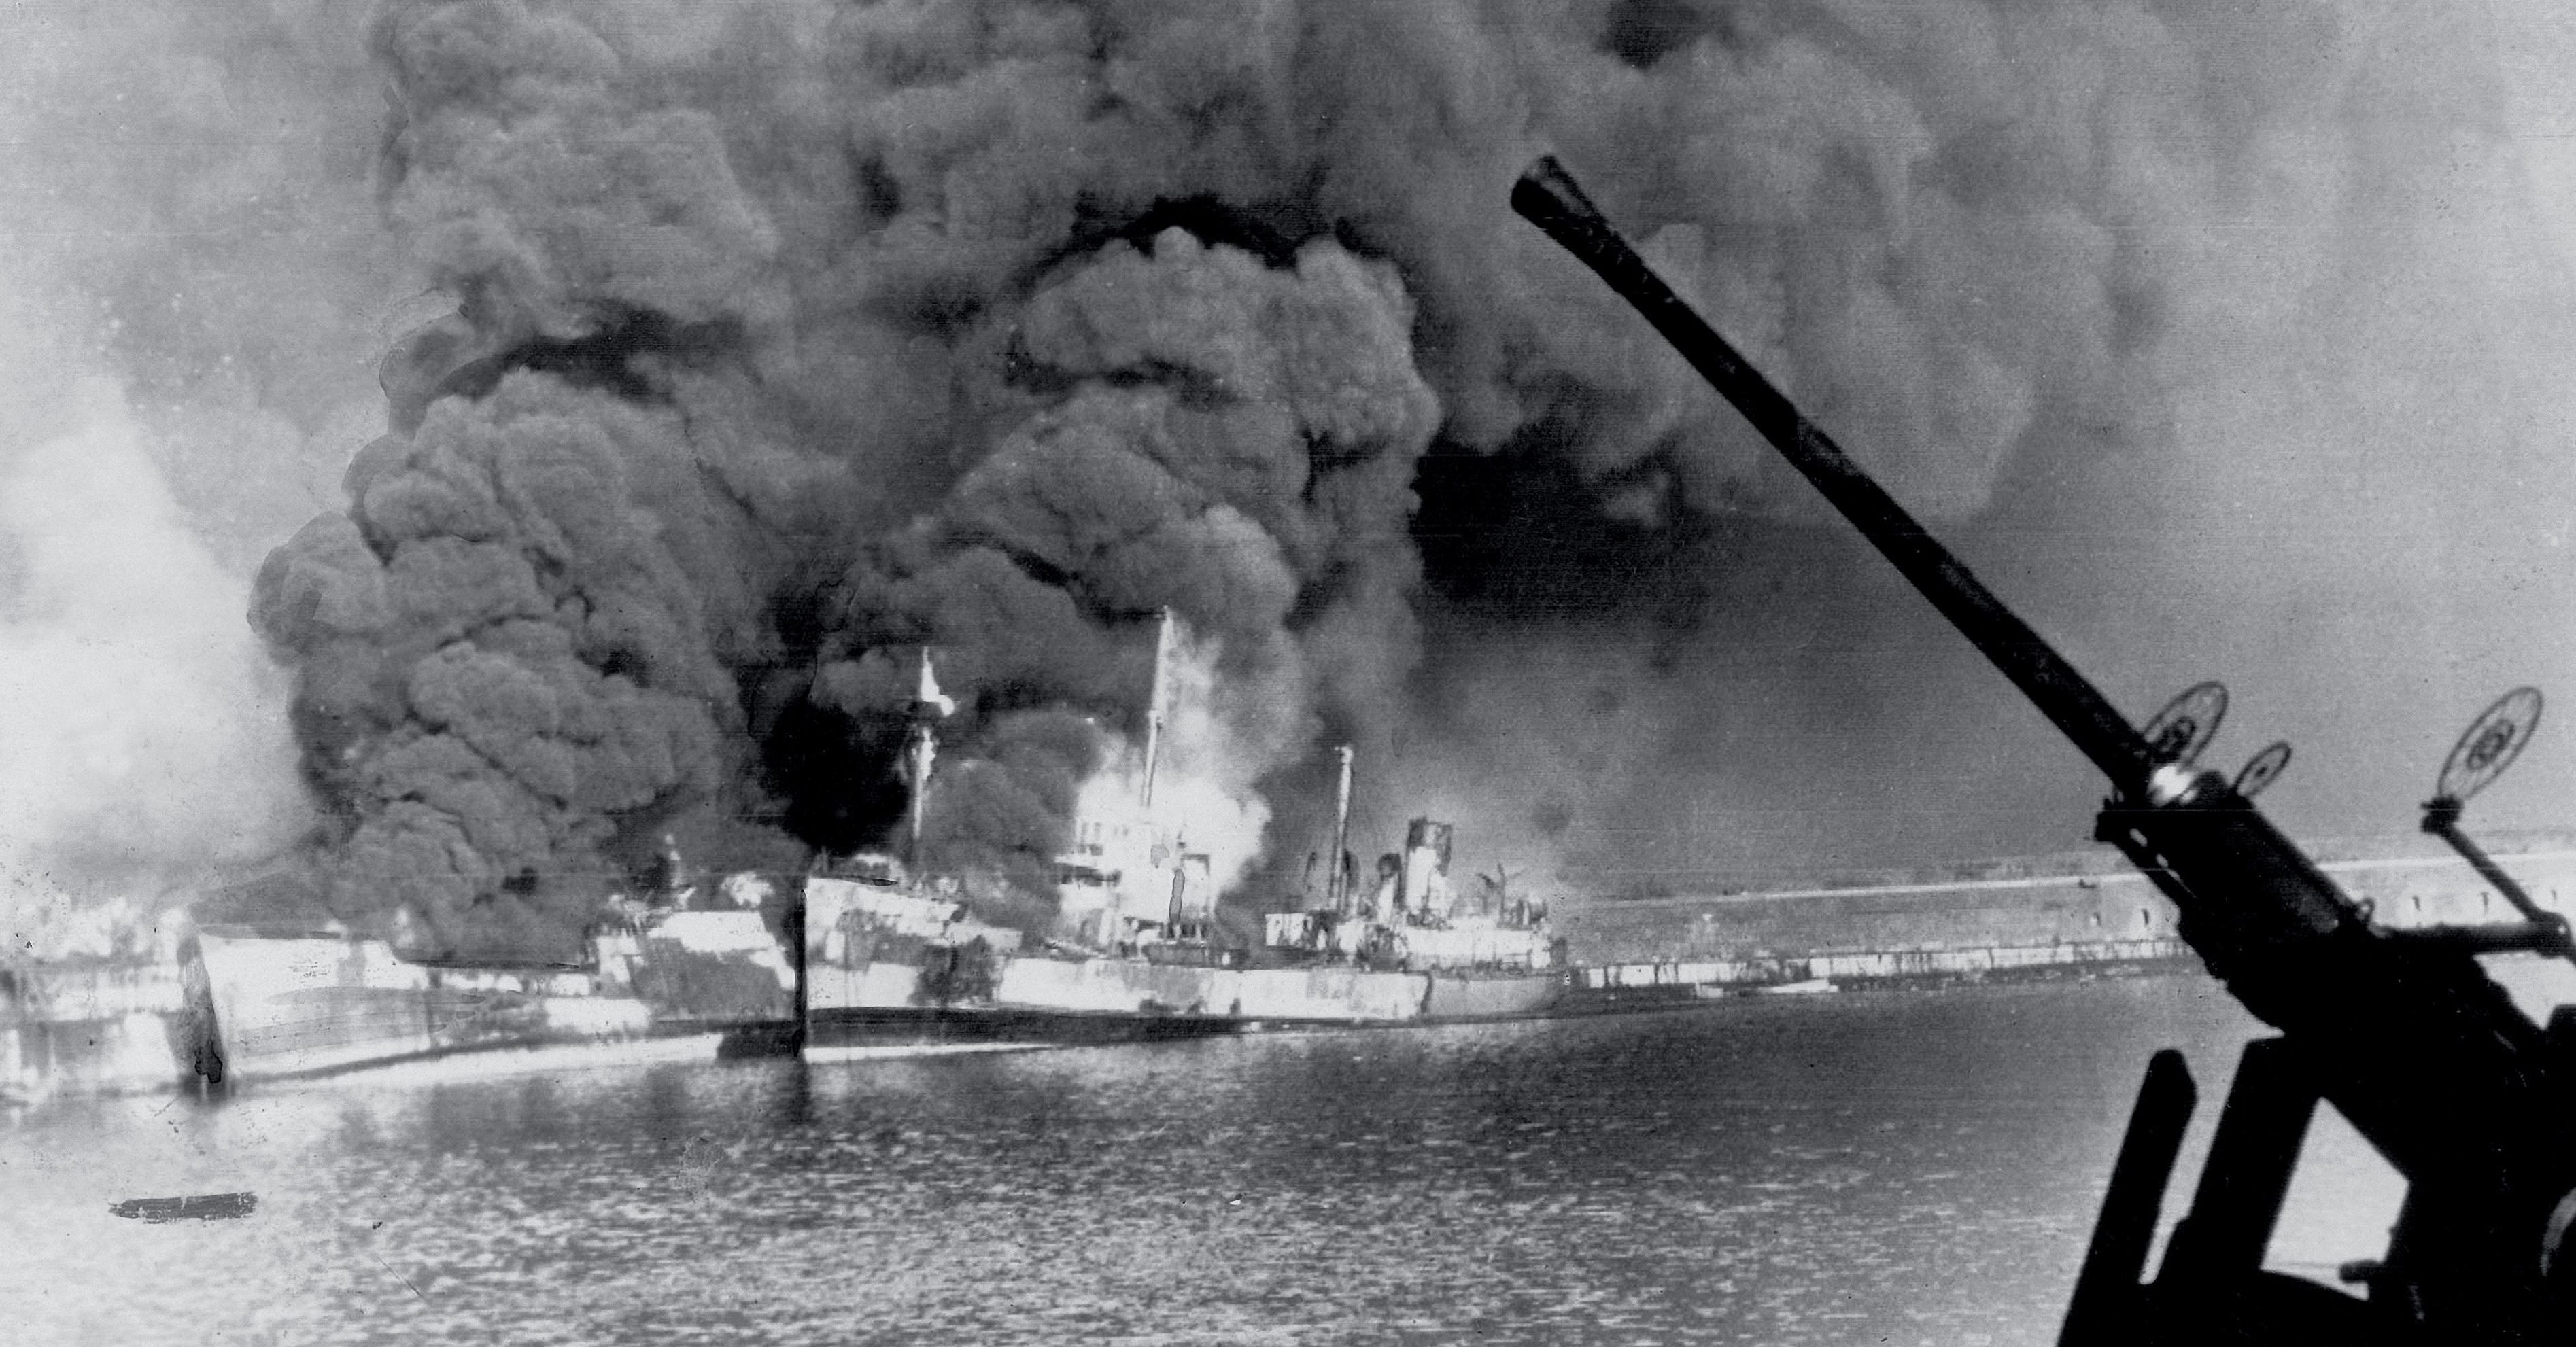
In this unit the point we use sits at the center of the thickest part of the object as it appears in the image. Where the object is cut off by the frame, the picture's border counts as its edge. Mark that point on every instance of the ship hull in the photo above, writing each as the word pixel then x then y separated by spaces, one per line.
pixel 1499 997
pixel 1315 994
pixel 268 1007
pixel 1044 999
pixel 848 1027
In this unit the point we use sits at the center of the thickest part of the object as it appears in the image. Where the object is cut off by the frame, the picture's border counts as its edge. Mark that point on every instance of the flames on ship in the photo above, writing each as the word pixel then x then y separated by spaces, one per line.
pixel 1205 795
pixel 781 340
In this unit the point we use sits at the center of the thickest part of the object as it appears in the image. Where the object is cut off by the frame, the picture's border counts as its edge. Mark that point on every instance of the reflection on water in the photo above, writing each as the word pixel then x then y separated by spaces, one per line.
pixel 1851 1169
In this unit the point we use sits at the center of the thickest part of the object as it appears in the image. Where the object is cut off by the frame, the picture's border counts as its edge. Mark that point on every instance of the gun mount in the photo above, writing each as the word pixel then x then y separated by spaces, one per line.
pixel 2430 1061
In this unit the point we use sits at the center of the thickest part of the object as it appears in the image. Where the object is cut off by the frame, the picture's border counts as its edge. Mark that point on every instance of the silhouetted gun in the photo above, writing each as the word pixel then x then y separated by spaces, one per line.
pixel 2405 1035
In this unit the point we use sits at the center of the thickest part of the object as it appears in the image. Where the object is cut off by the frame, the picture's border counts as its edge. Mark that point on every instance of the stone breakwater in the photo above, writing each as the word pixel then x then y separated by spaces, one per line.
pixel 2038 917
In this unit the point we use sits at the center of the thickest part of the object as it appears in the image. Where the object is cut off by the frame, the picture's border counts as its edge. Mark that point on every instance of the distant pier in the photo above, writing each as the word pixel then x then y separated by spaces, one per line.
pixel 2041 917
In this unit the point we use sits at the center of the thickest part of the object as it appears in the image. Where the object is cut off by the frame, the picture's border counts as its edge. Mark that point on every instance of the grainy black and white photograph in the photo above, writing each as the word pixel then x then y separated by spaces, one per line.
pixel 1288 672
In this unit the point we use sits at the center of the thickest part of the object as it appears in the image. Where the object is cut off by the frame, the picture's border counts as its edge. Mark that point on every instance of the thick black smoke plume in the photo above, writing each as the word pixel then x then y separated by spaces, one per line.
pixel 792 337
pixel 783 353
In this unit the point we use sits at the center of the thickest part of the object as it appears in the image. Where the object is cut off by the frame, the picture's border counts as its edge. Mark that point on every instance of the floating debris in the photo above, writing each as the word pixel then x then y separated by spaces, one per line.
pixel 202 1207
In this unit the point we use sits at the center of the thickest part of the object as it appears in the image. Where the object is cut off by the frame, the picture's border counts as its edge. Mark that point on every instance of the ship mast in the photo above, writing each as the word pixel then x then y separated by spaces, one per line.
pixel 1334 895
pixel 925 749
pixel 929 706
pixel 1154 707
pixel 1153 760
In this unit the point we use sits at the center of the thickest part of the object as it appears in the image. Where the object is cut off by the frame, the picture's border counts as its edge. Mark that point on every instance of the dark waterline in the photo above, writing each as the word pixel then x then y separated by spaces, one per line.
pixel 1904 1168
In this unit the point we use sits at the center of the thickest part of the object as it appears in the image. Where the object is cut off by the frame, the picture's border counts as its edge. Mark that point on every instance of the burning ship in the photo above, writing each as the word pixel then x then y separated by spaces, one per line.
pixel 884 957
pixel 886 950
pixel 1141 953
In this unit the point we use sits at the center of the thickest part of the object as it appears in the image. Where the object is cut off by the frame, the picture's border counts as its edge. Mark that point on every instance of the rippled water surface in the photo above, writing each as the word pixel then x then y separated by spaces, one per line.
pixel 1846 1169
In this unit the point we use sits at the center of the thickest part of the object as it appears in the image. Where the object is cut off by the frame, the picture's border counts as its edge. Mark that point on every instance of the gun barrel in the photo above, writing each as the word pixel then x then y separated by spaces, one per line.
pixel 1548 197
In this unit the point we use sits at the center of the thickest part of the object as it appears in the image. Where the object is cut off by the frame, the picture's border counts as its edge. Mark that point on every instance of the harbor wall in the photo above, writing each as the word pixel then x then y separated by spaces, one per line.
pixel 2003 919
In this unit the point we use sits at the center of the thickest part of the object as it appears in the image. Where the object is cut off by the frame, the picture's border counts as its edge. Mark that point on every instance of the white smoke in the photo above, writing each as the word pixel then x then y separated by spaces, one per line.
pixel 191 269
pixel 144 741
pixel 1210 758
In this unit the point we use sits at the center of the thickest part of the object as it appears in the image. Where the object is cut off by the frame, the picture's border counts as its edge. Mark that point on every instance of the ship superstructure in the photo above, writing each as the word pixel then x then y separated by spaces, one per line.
pixel 1138 950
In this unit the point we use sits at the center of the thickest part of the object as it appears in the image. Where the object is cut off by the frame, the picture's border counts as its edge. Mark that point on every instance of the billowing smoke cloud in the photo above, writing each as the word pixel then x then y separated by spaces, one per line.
pixel 524 629
pixel 897 370
pixel 1225 439
pixel 791 338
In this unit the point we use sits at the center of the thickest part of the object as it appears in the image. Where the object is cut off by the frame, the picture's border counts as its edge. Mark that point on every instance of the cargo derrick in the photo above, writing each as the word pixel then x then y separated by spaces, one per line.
pixel 2405 1035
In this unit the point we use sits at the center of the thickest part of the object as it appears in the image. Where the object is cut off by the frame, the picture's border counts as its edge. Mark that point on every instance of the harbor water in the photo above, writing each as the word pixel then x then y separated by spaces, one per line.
pixel 1856 1168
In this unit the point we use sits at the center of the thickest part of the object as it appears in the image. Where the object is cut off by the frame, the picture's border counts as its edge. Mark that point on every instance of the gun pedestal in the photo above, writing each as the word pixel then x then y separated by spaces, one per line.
pixel 2212 1287
pixel 2418 1049
pixel 2105 1306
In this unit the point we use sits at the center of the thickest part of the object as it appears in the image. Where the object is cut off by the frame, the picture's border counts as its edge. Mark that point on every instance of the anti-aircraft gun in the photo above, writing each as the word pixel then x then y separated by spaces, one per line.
pixel 2471 1102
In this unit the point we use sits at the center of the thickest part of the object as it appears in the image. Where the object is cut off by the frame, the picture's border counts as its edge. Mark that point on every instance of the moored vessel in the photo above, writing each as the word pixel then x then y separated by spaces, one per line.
pixel 265 1003
pixel 1139 951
